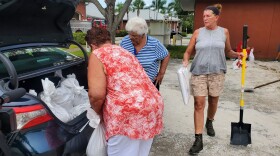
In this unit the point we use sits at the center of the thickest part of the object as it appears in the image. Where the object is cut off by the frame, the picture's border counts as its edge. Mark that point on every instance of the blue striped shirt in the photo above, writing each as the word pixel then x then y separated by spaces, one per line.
pixel 149 56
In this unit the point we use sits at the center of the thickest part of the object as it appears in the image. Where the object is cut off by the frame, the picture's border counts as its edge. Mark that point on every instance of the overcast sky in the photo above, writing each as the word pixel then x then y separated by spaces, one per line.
pixel 147 2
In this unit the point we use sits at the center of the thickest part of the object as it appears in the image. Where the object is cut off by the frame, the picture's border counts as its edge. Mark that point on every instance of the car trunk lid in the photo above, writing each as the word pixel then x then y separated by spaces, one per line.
pixel 35 21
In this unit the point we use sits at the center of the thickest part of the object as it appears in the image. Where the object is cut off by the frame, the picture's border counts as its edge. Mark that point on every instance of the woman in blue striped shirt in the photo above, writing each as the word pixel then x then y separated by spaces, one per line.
pixel 152 55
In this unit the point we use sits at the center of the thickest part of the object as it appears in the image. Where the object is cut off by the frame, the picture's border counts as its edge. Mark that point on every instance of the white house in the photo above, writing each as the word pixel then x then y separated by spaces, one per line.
pixel 160 25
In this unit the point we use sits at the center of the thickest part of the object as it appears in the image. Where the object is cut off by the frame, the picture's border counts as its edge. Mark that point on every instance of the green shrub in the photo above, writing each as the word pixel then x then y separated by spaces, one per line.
pixel 121 33
pixel 79 37
pixel 176 51
pixel 184 34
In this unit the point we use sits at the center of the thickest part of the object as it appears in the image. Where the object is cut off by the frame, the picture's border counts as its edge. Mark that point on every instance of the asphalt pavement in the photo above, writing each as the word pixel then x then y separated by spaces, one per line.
pixel 262 111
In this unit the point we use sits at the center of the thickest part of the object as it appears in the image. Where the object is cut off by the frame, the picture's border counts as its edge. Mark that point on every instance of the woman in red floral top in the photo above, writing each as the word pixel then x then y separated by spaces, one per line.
pixel 122 93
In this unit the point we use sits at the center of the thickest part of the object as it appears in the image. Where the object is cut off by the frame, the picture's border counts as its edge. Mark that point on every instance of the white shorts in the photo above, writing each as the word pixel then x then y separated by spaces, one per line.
pixel 120 145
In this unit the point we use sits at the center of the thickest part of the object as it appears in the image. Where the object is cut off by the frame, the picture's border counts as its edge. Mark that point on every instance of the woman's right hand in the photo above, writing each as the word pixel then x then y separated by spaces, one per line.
pixel 185 63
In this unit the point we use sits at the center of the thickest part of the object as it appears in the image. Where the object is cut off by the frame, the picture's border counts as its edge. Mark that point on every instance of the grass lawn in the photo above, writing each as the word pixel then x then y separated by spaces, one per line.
pixel 72 46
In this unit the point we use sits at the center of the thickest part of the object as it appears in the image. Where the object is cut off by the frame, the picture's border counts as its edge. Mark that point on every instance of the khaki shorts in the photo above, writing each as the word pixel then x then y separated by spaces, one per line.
pixel 210 84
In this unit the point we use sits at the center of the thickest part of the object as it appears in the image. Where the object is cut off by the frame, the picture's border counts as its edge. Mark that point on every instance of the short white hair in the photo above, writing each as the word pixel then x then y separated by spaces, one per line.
pixel 137 25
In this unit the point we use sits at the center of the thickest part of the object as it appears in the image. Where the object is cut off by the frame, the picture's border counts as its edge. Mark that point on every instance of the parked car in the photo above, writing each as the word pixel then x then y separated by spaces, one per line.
pixel 99 23
pixel 34 36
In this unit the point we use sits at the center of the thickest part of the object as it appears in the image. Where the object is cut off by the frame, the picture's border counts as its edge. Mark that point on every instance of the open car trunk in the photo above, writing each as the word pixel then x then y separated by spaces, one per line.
pixel 34 64
pixel 35 83
pixel 34 35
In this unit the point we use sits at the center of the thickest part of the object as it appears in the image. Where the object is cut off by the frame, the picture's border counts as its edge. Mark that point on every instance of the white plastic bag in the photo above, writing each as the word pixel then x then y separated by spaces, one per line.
pixel 251 55
pixel 63 97
pixel 60 113
pixel 183 76
pixel 236 64
pixel 77 110
pixel 97 145
pixel 72 83
pixel 67 101
pixel 47 97
pixel 33 92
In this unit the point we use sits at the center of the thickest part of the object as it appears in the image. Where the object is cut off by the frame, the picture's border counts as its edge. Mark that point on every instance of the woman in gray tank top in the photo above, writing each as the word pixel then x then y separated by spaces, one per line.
pixel 210 43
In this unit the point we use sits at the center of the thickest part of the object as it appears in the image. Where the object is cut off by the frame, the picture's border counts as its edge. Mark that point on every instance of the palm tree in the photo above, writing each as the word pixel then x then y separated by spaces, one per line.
pixel 128 10
pixel 159 5
pixel 119 7
pixel 137 5
pixel 171 8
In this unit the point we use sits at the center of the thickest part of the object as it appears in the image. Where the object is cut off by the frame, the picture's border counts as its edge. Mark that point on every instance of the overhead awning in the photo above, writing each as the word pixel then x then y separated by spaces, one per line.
pixel 187 5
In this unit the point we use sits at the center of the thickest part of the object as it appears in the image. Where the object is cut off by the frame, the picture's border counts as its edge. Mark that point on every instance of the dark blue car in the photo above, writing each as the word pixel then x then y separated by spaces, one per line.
pixel 34 37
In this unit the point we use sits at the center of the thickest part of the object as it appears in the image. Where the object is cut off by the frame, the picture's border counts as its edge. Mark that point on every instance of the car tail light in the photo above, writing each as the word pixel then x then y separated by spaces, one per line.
pixel 30 116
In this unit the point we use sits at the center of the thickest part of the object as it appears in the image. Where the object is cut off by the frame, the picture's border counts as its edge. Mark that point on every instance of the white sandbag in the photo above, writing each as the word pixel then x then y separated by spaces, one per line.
pixel 48 90
pixel 67 101
pixel 48 87
pixel 61 113
pixel 183 77
pixel 63 97
pixel 79 109
pixel 80 103
pixel 46 96
pixel 72 83
pixel 33 92
pixel 81 97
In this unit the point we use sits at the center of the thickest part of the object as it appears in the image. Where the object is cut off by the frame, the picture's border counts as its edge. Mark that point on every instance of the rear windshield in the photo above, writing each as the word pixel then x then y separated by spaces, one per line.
pixel 28 60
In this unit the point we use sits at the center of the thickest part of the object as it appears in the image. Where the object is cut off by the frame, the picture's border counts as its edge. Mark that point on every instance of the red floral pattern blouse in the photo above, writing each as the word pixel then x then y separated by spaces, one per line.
pixel 133 106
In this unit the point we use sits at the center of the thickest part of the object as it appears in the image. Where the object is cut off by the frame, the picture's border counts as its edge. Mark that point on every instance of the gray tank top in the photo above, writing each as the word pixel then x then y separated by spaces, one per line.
pixel 210 52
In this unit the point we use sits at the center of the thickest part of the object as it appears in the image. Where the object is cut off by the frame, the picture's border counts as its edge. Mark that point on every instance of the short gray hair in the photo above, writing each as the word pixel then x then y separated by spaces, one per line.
pixel 137 25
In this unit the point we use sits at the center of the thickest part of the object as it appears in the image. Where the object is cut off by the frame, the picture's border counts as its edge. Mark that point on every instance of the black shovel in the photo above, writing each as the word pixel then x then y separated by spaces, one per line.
pixel 241 132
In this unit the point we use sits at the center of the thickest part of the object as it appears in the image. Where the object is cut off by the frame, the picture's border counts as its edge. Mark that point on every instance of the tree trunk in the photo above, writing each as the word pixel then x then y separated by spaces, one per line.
pixel 127 15
pixel 110 17
pixel 113 36
pixel 109 13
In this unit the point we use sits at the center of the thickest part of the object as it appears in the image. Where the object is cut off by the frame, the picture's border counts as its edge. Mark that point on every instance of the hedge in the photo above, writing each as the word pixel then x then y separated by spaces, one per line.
pixel 121 33
pixel 80 37
pixel 176 51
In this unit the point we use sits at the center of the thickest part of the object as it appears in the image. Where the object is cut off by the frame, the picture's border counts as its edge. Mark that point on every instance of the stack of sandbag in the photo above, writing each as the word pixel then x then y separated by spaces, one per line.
pixel 66 101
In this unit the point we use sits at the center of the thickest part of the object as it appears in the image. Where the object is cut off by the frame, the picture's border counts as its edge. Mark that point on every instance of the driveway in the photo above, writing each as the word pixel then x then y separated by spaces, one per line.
pixel 262 111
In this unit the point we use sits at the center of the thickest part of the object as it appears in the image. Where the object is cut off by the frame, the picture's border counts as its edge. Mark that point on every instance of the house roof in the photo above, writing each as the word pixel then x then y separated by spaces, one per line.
pixel 92 11
pixel 148 14
pixel 187 5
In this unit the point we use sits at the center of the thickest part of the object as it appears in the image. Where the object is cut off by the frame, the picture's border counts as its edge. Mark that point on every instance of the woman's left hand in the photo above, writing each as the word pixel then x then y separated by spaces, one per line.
pixel 241 55
pixel 159 78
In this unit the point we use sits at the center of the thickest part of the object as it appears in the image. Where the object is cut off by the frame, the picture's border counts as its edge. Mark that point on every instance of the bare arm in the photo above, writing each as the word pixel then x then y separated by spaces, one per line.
pixel 229 52
pixel 190 49
pixel 162 69
pixel 96 84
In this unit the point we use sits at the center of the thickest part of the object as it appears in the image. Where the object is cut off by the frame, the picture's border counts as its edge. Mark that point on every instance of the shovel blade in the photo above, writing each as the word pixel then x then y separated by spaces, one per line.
pixel 240 134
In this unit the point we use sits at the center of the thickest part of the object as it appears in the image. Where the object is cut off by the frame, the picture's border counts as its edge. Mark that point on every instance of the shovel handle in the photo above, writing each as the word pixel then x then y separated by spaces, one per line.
pixel 244 37
pixel 243 71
